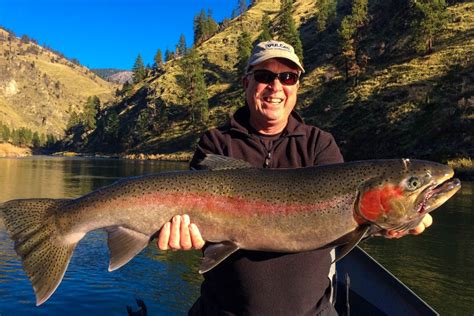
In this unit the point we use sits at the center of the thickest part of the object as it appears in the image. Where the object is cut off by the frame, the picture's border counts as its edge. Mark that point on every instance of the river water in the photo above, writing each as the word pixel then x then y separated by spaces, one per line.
pixel 438 265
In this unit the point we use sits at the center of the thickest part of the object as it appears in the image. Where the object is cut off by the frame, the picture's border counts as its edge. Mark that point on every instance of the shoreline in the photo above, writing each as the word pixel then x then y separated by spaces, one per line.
pixel 463 167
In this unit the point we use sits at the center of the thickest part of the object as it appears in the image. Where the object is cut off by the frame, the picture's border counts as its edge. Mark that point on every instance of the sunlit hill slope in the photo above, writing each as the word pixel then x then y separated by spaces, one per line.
pixel 40 89
pixel 403 103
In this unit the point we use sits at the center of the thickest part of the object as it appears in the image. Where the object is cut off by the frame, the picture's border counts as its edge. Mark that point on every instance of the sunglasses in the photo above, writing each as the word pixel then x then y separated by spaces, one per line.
pixel 267 76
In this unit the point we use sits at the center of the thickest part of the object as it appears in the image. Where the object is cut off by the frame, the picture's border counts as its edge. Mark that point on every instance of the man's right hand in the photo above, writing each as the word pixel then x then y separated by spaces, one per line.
pixel 180 234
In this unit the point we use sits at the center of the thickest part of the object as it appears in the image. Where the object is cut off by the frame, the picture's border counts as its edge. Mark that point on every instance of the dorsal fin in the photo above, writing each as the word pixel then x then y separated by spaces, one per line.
pixel 218 162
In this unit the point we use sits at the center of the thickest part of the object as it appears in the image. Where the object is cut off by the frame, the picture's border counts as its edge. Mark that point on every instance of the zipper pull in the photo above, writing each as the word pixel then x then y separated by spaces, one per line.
pixel 268 159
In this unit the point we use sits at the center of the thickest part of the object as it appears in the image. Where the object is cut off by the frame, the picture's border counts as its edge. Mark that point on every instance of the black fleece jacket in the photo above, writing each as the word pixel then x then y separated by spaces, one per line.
pixel 264 283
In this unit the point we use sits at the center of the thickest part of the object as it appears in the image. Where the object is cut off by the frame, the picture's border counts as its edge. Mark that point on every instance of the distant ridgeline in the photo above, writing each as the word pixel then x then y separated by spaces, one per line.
pixel 389 78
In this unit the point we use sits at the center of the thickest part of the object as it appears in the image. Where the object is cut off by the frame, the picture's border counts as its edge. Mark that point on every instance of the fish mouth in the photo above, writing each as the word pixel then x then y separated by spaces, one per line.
pixel 435 195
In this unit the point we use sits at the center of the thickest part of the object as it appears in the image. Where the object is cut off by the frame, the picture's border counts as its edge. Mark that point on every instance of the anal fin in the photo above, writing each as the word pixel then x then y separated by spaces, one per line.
pixel 215 254
pixel 124 244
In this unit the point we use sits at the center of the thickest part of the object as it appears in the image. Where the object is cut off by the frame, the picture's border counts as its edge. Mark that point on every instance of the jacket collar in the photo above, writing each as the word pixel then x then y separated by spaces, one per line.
pixel 240 123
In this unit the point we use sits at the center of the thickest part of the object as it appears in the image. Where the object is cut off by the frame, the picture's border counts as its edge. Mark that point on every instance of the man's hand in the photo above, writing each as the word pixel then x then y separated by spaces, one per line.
pixel 425 223
pixel 179 234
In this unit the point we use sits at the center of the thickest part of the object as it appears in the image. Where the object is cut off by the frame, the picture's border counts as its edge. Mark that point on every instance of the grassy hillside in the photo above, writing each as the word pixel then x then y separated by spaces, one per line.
pixel 40 89
pixel 404 104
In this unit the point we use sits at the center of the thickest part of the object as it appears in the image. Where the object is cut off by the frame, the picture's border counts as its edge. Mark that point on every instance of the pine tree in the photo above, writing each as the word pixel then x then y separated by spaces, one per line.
pixel 91 109
pixel 158 60
pixel 265 34
pixel 429 17
pixel 50 140
pixel 286 28
pixel 168 55
pixel 204 27
pixel 327 12
pixel 200 27
pixel 138 70
pixel 15 137
pixel 181 47
pixel 111 126
pixel 244 49
pixel 242 7
pixel 349 33
pixel 3 136
pixel 73 121
pixel 36 142
pixel 194 86
pixel 212 25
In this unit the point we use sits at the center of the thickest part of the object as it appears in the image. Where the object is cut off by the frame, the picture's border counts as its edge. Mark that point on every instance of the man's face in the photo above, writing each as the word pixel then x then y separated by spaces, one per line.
pixel 271 103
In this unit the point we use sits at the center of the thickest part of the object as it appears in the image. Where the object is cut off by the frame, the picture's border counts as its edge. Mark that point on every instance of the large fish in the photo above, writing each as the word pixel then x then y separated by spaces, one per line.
pixel 235 206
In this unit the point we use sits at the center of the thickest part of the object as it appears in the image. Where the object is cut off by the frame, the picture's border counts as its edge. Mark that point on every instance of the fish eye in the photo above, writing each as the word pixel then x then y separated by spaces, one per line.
pixel 413 183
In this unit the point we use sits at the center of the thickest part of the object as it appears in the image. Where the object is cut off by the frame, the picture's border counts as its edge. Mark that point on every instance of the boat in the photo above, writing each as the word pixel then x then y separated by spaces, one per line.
pixel 364 287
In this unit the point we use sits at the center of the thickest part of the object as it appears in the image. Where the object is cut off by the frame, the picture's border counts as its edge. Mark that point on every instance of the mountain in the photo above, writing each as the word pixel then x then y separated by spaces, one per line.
pixel 400 103
pixel 40 89
pixel 114 75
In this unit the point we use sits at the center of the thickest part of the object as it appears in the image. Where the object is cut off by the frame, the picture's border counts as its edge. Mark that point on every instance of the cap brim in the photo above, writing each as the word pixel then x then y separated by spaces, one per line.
pixel 261 59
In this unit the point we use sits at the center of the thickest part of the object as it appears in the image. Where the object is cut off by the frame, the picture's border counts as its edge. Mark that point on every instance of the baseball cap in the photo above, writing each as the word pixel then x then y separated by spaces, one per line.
pixel 273 49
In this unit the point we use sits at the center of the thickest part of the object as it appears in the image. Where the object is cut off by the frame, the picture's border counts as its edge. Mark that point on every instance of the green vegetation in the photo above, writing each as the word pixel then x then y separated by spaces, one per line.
pixel 429 18
pixel 24 137
pixel 244 44
pixel 349 31
pixel 204 27
pixel 181 48
pixel 366 82
pixel 326 14
pixel 194 87
pixel 158 60
pixel 265 34
pixel 138 69
pixel 285 28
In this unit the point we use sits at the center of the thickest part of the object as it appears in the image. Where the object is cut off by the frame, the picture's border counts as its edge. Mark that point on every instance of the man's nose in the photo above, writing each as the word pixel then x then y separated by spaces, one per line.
pixel 275 85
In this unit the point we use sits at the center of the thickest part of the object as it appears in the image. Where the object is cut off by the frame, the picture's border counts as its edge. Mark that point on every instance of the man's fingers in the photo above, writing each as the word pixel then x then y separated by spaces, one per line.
pixel 425 223
pixel 174 242
pixel 185 239
pixel 196 237
pixel 428 220
pixel 164 237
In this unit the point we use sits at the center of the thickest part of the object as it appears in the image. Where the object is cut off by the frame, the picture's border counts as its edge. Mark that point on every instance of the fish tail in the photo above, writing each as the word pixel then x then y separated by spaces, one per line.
pixel 44 253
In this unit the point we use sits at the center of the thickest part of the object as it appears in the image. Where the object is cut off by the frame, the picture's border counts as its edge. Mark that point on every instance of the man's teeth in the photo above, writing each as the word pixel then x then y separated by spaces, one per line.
pixel 273 100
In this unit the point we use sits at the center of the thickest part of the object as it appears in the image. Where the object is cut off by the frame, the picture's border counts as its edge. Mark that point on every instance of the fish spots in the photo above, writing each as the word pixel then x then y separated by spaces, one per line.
pixel 377 202
pixel 236 204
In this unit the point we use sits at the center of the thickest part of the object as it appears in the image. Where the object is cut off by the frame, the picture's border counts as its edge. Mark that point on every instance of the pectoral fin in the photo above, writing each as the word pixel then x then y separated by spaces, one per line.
pixel 215 254
pixel 124 244
pixel 357 236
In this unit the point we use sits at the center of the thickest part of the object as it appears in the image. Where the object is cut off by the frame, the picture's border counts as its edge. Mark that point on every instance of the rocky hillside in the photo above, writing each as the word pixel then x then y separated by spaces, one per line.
pixel 40 89
pixel 114 75
pixel 403 103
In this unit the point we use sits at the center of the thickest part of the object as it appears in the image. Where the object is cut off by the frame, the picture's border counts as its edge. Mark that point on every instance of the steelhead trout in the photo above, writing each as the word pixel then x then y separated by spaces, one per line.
pixel 236 206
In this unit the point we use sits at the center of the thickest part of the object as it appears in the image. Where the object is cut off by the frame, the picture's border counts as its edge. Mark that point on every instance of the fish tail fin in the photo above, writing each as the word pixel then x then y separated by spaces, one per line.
pixel 44 254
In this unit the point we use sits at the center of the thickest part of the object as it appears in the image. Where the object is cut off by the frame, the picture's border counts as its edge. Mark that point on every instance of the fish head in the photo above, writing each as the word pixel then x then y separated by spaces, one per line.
pixel 404 192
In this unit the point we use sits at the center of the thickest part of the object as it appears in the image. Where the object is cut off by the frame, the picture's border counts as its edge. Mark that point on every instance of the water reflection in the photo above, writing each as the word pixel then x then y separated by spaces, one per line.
pixel 87 287
pixel 439 264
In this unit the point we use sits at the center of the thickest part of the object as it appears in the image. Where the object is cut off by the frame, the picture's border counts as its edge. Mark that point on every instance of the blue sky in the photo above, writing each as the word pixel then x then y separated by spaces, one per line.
pixel 109 33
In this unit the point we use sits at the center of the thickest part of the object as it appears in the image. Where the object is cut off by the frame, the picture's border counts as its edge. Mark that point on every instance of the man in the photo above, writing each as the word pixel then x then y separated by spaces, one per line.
pixel 268 133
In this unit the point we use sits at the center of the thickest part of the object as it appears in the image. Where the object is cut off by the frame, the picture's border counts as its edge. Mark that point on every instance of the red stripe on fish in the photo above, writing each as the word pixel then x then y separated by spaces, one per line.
pixel 235 204
pixel 376 202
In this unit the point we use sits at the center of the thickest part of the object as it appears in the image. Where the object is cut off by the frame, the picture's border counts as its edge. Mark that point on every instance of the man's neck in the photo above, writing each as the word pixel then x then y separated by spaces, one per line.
pixel 268 129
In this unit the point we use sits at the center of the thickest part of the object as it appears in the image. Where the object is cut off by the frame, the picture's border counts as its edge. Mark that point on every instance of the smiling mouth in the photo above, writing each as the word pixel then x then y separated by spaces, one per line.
pixel 273 100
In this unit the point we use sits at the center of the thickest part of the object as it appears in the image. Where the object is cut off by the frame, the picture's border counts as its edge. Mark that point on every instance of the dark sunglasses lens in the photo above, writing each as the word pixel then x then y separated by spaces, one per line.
pixel 264 76
pixel 288 78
